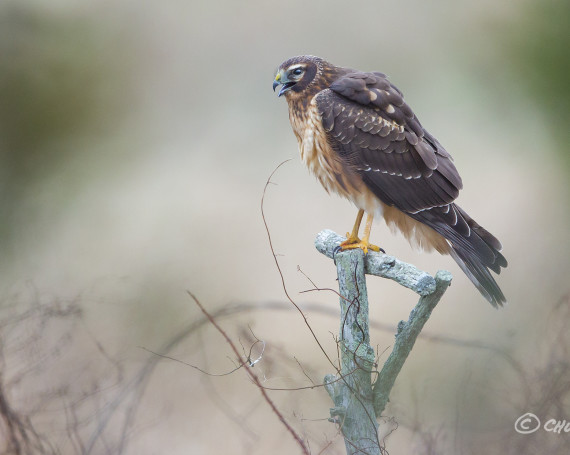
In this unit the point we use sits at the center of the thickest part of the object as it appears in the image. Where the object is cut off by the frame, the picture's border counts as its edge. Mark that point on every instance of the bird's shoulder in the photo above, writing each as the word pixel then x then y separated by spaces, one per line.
pixel 369 96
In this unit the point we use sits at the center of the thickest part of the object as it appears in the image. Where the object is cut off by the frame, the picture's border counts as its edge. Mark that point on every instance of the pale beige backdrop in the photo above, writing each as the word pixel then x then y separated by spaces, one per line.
pixel 137 137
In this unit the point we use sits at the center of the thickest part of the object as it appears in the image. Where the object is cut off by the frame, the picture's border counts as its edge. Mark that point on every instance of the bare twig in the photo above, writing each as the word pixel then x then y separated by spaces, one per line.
pixel 241 364
pixel 253 377
pixel 279 267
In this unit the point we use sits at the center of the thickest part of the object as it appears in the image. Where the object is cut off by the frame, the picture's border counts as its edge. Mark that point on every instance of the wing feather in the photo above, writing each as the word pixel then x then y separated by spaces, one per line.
pixel 398 162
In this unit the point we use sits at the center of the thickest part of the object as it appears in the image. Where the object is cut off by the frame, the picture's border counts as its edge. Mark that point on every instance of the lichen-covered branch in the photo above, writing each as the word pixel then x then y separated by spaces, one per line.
pixel 351 392
pixel 357 405
pixel 405 339
pixel 383 265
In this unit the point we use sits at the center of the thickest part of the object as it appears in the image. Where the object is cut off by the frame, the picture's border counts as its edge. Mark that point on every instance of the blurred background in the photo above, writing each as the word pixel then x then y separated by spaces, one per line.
pixel 136 138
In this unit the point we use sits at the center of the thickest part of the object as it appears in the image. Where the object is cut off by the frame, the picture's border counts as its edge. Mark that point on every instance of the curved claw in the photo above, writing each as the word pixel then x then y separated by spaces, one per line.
pixel 335 251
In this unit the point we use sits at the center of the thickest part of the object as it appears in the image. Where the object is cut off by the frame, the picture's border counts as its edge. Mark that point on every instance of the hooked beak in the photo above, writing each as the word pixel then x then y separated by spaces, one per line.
pixel 276 83
pixel 281 79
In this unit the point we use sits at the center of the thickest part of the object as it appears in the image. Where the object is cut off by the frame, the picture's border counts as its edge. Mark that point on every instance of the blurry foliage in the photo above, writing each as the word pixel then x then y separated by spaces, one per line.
pixel 55 76
pixel 539 53
pixel 47 84
pixel 85 396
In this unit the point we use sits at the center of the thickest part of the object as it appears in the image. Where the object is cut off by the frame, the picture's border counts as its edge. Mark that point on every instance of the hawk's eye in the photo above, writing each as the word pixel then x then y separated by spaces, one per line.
pixel 298 71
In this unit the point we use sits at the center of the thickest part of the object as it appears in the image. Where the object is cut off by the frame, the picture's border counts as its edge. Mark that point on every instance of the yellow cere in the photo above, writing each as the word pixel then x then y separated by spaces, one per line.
pixel 278 77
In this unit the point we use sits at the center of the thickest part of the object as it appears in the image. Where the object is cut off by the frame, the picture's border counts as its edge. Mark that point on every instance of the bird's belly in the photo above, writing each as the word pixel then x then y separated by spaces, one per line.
pixel 327 166
pixel 334 175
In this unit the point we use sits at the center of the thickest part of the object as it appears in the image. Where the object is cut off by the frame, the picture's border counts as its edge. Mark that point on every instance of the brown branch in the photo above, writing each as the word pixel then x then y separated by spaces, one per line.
pixel 253 377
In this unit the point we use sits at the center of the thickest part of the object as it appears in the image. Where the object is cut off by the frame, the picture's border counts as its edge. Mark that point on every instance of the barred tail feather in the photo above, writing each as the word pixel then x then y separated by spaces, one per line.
pixel 474 249
pixel 479 275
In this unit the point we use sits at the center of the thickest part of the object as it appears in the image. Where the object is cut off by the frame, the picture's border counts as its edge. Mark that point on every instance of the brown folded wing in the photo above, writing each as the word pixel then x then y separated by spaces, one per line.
pixel 375 132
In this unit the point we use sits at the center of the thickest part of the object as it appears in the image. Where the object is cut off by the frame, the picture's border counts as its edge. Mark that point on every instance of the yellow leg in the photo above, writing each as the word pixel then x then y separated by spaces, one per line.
pixel 353 238
pixel 363 244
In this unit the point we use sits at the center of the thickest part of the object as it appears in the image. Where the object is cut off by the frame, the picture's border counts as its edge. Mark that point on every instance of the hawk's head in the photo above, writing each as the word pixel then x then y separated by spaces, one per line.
pixel 298 73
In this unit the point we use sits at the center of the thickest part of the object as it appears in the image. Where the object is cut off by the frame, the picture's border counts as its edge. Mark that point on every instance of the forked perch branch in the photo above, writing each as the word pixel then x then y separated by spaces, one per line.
pixel 357 404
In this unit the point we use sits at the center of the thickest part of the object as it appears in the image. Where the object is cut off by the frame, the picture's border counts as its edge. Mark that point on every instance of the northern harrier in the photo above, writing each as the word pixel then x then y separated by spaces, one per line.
pixel 361 140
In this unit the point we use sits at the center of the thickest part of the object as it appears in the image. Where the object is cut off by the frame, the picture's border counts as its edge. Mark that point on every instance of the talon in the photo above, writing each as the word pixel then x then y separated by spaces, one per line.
pixel 364 245
pixel 351 240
